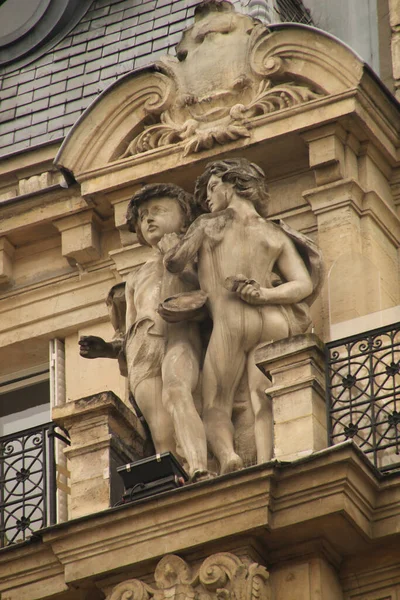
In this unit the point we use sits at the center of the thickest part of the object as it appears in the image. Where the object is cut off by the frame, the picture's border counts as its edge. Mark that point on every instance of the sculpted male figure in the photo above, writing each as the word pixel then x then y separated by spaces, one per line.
pixel 239 256
pixel 162 359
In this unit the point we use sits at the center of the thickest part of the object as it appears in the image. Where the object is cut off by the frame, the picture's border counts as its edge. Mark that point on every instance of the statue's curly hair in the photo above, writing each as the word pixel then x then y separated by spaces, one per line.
pixel 248 180
pixel 158 190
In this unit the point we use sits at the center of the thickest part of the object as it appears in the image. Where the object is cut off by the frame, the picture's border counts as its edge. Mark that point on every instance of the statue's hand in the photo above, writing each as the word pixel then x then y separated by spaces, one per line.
pixel 92 346
pixel 168 242
pixel 249 290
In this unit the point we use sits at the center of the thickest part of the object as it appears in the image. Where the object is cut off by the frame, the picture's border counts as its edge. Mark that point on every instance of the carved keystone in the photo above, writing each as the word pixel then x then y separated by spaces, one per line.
pixel 220 577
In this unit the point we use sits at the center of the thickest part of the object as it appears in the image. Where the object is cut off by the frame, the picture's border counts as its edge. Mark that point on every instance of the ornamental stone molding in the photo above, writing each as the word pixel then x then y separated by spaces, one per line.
pixel 221 576
pixel 231 74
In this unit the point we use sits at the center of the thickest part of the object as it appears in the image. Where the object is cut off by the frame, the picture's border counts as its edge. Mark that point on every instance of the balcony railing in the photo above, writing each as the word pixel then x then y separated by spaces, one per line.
pixel 363 394
pixel 27 482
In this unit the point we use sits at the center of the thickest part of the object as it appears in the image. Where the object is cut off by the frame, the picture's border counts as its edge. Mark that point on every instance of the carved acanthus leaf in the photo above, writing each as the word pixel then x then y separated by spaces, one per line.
pixel 199 136
pixel 222 576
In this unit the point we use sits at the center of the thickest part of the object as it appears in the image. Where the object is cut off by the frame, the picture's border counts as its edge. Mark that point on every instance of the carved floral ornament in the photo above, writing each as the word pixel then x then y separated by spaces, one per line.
pixel 221 576
pixel 230 75
pixel 220 81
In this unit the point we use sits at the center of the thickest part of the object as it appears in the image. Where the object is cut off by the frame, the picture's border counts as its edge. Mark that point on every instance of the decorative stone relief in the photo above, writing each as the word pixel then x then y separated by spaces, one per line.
pixel 221 81
pixel 222 576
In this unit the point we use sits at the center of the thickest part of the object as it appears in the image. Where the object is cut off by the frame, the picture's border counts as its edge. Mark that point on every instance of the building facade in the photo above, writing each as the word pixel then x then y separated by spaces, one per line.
pixel 82 105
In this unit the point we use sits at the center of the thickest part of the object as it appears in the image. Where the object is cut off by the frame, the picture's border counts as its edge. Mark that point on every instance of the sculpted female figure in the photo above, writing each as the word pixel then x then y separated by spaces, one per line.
pixel 240 258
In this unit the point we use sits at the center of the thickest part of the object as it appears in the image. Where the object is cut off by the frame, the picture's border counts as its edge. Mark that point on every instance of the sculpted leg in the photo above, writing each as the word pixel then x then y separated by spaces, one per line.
pixel 262 408
pixel 180 376
pixel 275 327
pixel 223 368
pixel 148 396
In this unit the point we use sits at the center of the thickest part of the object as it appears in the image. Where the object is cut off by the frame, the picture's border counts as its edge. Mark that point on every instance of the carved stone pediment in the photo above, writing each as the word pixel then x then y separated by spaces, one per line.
pixel 222 576
pixel 221 80
pixel 231 77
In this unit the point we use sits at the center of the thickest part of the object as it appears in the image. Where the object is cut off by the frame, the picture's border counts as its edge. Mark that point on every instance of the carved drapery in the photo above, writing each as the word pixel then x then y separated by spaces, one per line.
pixel 222 576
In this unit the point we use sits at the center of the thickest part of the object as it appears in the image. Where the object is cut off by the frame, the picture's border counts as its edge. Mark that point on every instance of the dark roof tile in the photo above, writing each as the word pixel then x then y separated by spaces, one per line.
pixel 134 11
pixel 7 115
pixel 93 89
pixel 114 27
pixel 119 6
pixel 58 88
pixel 41 82
pixel 159 44
pixel 41 104
pixel 44 115
pixel 39 129
pixel 74 83
pixel 27 86
pixel 12 102
pixel 7 92
pixel 96 13
pixel 7 139
pixel 128 33
pixel 114 37
pixel 81 28
pixel 24 121
pixel 59 77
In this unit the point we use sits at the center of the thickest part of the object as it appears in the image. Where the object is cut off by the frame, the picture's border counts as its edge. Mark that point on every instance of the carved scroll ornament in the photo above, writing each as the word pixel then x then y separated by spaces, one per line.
pixel 223 80
pixel 221 576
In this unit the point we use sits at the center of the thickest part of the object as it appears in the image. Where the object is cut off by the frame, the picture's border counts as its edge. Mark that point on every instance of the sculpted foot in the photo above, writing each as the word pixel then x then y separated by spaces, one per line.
pixel 201 475
pixel 234 463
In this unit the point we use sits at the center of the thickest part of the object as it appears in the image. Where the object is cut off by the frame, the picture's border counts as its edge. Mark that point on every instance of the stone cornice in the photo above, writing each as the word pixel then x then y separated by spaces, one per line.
pixel 58 306
pixel 282 505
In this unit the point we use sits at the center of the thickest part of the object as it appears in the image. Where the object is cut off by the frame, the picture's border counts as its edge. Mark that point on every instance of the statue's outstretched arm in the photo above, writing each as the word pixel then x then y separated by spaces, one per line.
pixel 92 346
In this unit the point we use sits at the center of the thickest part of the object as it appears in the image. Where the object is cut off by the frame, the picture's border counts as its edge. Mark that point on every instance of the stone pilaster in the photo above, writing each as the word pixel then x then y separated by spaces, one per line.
pixel 296 368
pixel 104 434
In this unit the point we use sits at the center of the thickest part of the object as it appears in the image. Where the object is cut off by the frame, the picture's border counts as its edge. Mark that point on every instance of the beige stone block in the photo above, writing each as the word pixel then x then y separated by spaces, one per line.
pixel 85 377
pixel 80 237
pixel 89 496
pixel 394 12
pixel 291 582
pixel 296 366
pixel 299 437
pixel 372 178
pixel 35 183
pixel 295 406
pixel 102 429
pixel 326 150
pixel 395 46
pixel 129 257
pixel 7 251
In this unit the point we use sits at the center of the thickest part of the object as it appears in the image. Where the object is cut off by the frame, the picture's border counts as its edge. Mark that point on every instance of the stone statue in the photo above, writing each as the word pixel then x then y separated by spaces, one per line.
pixel 259 277
pixel 162 359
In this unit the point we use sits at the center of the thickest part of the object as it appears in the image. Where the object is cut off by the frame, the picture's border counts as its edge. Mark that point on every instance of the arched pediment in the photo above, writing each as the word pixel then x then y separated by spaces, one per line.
pixel 231 73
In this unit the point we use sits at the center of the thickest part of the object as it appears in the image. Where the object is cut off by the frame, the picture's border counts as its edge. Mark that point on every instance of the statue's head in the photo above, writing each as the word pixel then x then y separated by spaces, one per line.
pixel 173 210
pixel 246 178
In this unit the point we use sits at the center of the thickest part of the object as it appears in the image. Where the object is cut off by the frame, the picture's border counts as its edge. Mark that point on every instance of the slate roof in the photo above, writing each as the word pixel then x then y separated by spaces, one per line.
pixel 41 101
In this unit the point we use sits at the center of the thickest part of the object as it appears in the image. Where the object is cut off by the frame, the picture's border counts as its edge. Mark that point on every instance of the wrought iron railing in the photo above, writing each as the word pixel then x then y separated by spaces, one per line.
pixel 27 482
pixel 363 394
